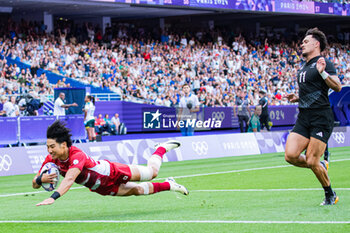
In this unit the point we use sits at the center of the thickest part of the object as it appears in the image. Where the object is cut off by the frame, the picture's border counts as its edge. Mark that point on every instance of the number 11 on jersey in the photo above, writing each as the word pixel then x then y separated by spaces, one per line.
pixel 302 77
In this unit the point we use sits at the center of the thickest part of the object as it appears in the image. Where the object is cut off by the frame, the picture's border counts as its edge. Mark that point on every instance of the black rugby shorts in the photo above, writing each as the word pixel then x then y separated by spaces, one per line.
pixel 317 123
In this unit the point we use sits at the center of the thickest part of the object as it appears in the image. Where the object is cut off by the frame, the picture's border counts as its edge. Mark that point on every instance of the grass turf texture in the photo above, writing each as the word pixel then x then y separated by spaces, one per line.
pixel 234 204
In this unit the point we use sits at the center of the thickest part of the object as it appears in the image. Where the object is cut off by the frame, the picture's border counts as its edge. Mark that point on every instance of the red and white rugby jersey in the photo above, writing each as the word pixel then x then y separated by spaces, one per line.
pixel 93 173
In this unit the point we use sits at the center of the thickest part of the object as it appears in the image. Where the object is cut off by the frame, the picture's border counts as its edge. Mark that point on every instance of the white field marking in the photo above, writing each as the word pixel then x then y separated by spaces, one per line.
pixel 30 193
pixel 245 170
pixel 178 221
pixel 268 190
pixel 209 190
pixel 185 176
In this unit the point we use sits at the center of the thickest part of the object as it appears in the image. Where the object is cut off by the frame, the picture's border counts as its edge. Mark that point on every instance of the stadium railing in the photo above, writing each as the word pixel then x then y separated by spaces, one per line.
pixel 105 96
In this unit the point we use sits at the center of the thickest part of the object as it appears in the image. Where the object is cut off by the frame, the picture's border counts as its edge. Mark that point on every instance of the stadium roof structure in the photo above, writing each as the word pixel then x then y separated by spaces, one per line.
pixel 94 8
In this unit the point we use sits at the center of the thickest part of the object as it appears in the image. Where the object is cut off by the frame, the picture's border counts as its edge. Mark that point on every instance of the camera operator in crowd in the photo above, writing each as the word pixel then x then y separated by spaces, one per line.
pixel 29 104
pixel 188 108
pixel 243 111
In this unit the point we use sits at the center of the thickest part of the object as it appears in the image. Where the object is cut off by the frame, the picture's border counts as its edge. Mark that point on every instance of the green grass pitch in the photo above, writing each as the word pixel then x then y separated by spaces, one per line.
pixel 257 193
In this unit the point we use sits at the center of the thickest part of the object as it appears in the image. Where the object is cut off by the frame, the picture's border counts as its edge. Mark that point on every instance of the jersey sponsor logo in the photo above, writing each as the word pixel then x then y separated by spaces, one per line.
pixel 201 147
pixel 5 162
pixel 320 134
pixel 75 161
pixel 339 137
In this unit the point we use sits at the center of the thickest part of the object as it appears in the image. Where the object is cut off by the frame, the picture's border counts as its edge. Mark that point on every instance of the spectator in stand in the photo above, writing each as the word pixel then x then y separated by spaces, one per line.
pixel 109 125
pixel 15 105
pixel 116 122
pixel 100 125
pixel 8 109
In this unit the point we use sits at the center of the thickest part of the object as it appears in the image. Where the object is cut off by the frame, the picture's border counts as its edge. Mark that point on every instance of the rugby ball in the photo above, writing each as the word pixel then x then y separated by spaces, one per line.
pixel 50 168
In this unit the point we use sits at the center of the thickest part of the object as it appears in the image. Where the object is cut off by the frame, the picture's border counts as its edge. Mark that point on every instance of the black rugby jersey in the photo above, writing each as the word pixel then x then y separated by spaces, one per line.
pixel 264 105
pixel 313 90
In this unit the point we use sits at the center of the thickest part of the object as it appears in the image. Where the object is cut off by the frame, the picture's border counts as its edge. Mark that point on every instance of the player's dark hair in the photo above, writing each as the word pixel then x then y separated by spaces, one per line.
pixel 59 132
pixel 319 36
pixel 91 98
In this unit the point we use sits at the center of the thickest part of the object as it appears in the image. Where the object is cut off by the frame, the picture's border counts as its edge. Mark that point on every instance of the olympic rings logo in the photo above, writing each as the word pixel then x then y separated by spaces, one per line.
pixel 339 137
pixel 201 148
pixel 5 163
pixel 218 116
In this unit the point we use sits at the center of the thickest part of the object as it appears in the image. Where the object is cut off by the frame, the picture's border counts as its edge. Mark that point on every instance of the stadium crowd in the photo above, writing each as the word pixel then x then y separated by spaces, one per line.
pixel 151 66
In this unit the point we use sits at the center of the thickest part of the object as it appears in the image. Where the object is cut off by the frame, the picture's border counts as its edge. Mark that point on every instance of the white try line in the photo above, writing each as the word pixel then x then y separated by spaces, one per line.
pixel 208 190
pixel 185 176
pixel 179 221
pixel 268 190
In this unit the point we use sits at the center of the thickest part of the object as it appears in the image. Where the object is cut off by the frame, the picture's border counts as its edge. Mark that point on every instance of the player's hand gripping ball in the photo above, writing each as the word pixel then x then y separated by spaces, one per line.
pixel 50 168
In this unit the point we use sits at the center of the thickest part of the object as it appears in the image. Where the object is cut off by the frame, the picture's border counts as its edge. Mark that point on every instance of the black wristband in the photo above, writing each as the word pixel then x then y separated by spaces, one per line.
pixel 55 195
pixel 38 180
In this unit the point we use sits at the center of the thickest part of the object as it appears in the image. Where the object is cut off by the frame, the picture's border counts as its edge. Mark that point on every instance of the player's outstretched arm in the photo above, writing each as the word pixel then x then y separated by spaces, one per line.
pixel 65 185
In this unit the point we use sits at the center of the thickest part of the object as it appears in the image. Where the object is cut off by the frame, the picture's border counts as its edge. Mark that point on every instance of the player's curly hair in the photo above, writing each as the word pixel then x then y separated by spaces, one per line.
pixel 59 132
pixel 319 36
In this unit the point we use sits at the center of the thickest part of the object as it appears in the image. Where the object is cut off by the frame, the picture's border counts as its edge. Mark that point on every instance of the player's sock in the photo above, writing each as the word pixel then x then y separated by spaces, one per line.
pixel 160 151
pixel 326 154
pixel 328 191
pixel 159 187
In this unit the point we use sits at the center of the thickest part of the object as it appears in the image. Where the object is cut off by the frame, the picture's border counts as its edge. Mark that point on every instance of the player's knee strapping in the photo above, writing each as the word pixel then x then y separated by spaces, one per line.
pixel 145 188
pixel 155 161
pixel 146 173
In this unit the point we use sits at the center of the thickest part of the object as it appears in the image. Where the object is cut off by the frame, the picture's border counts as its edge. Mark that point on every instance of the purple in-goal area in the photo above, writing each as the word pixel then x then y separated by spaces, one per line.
pixel 26 160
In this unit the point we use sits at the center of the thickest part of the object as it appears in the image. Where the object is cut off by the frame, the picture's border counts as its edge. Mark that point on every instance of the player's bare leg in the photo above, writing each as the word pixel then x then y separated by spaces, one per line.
pixel 149 172
pixel 132 188
pixel 313 154
pixel 295 145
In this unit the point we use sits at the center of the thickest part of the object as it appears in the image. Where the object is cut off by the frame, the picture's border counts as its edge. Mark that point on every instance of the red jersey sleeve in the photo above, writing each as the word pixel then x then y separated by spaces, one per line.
pixel 47 160
pixel 77 160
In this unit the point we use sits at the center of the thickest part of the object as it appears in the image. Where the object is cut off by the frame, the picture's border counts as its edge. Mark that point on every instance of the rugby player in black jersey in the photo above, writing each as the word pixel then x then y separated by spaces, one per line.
pixel 315 119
